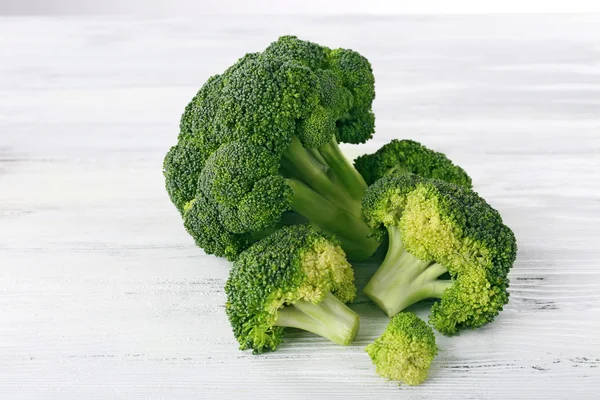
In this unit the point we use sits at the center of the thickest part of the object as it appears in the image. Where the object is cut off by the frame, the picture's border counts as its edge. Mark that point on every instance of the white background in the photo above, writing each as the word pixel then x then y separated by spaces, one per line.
pixel 103 295
pixel 310 7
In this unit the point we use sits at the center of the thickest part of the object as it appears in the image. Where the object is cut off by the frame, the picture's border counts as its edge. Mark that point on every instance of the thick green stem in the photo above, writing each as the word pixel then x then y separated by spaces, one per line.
pixel 330 319
pixel 436 289
pixel 349 229
pixel 343 169
pixel 432 272
pixel 315 153
pixel 301 164
pixel 328 191
pixel 403 280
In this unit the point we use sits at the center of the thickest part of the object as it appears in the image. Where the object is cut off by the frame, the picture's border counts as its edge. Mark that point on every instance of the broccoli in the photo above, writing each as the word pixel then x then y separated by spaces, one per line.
pixel 445 242
pixel 405 350
pixel 408 156
pixel 258 149
pixel 293 278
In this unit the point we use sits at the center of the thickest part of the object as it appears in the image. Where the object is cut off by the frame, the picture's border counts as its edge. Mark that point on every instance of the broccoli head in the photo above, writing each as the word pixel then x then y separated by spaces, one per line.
pixel 260 142
pixel 408 156
pixel 294 278
pixel 445 242
pixel 405 350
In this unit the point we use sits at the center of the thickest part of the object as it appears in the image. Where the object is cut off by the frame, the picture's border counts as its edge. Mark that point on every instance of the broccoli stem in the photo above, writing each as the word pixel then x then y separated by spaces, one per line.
pixel 343 169
pixel 403 280
pixel 301 164
pixel 328 191
pixel 350 230
pixel 315 153
pixel 330 319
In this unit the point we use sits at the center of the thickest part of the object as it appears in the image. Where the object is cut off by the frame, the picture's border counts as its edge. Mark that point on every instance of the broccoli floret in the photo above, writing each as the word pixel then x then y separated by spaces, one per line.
pixel 181 169
pixel 260 141
pixel 202 222
pixel 436 229
pixel 293 278
pixel 405 350
pixel 408 156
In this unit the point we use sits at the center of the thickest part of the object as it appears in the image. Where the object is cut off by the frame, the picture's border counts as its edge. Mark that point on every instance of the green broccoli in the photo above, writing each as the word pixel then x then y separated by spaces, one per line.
pixel 258 148
pixel 408 156
pixel 405 350
pixel 293 278
pixel 445 242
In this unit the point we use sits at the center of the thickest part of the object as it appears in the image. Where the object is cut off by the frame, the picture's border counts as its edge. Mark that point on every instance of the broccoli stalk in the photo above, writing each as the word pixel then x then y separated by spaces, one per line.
pixel 345 172
pixel 327 171
pixel 403 279
pixel 328 192
pixel 330 319
pixel 351 231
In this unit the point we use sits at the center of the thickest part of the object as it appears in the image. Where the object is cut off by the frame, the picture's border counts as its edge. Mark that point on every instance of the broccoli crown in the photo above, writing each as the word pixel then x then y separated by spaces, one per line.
pixel 295 263
pixel 203 222
pixel 242 181
pixel 235 131
pixel 405 350
pixel 181 169
pixel 408 156
pixel 455 228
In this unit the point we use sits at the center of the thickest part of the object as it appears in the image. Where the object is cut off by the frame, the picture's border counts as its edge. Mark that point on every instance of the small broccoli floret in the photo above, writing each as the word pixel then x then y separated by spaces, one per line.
pixel 261 140
pixel 405 350
pixel 293 278
pixel 181 168
pixel 202 221
pixel 437 229
pixel 408 156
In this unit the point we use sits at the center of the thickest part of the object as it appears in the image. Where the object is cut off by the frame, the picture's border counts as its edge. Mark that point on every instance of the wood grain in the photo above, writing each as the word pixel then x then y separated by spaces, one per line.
pixel 103 294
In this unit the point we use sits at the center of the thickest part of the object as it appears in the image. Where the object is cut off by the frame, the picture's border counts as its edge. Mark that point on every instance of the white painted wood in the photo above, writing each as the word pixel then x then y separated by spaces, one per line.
pixel 103 294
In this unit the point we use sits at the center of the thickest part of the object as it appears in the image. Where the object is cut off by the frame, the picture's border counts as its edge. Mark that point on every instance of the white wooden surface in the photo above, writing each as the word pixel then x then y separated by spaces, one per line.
pixel 103 295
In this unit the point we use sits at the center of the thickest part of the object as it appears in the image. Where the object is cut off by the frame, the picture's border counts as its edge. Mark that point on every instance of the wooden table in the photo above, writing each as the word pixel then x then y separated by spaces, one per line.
pixel 104 295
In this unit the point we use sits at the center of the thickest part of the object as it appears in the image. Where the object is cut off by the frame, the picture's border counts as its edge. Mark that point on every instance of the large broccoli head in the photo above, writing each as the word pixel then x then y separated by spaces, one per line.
pixel 437 228
pixel 405 350
pixel 292 278
pixel 408 156
pixel 265 130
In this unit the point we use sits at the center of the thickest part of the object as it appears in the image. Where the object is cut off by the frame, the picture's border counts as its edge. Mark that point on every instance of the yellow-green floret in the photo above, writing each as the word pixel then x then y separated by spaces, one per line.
pixel 296 278
pixel 445 242
pixel 405 350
